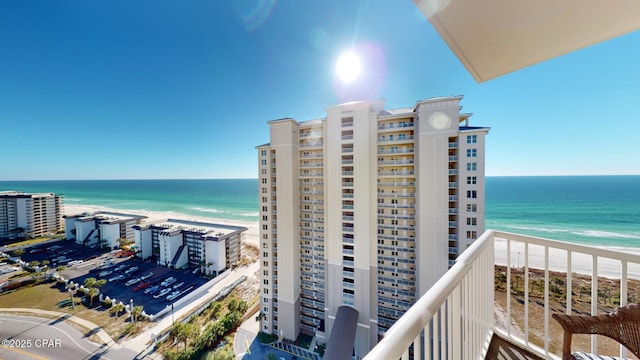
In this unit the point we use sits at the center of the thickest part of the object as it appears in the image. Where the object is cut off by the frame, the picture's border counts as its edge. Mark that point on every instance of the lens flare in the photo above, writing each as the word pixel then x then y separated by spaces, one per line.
pixel 359 73
pixel 348 67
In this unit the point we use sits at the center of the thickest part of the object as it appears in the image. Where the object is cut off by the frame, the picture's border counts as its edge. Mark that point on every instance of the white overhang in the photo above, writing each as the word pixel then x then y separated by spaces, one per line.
pixel 495 37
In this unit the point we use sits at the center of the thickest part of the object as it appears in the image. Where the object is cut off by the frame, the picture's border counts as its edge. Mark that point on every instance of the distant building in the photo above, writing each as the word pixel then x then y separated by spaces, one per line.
pixel 366 208
pixel 180 244
pixel 101 228
pixel 30 215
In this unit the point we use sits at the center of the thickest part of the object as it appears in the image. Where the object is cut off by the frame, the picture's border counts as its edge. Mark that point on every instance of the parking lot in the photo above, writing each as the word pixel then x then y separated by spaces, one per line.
pixel 149 285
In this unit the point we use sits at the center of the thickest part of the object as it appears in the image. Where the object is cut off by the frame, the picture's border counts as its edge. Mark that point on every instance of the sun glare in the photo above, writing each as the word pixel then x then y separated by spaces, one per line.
pixel 348 67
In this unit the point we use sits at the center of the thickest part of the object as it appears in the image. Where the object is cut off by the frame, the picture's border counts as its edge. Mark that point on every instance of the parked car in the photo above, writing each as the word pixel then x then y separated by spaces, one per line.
pixel 168 281
pixel 162 293
pixel 178 285
pixel 131 270
pixel 117 277
pixel 141 286
pixel 173 295
pixel 91 257
pixel 120 267
pixel 145 277
pixel 105 273
pixel 151 289
pixel 132 281
pixel 75 262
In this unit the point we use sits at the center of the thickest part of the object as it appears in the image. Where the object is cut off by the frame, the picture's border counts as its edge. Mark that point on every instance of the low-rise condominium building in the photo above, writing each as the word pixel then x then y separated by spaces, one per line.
pixel 179 244
pixel 102 228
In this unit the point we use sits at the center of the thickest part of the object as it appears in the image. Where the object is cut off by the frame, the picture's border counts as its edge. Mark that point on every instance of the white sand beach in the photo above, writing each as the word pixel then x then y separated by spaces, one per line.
pixel 580 263
pixel 251 235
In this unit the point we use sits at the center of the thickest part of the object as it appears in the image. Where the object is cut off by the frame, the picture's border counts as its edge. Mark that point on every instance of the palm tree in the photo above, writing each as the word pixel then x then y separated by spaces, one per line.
pixel 34 263
pixel 190 330
pixel 176 329
pixel 216 307
pixel 137 312
pixel 117 309
pixel 90 282
pixel 92 292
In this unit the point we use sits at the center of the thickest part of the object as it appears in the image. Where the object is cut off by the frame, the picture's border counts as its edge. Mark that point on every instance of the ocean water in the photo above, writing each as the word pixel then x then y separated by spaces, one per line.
pixel 596 210
pixel 592 210
pixel 227 199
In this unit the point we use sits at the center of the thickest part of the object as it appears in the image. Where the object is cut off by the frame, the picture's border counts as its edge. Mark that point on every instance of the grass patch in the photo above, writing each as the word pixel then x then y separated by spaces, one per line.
pixel 266 338
pixel 47 296
pixel 28 242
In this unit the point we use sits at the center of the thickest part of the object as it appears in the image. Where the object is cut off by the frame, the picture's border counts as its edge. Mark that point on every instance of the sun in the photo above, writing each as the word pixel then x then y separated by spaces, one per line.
pixel 348 67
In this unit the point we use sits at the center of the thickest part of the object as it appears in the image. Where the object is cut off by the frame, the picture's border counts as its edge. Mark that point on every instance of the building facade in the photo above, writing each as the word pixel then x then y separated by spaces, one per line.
pixel 179 244
pixel 30 215
pixel 367 208
pixel 101 228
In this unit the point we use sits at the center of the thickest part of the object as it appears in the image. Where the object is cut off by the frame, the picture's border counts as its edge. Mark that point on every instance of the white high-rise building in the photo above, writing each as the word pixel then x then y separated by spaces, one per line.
pixel 365 208
pixel 30 215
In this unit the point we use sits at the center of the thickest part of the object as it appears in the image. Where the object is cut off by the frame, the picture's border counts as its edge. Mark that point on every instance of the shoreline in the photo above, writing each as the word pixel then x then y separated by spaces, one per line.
pixel 580 263
pixel 251 235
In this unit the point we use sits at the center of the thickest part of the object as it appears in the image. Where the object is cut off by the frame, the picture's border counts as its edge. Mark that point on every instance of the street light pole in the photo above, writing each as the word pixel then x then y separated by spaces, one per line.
pixel 131 308
pixel 73 307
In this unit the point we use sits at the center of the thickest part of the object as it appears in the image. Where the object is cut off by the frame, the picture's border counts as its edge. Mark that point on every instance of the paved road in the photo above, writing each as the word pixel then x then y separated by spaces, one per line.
pixel 27 337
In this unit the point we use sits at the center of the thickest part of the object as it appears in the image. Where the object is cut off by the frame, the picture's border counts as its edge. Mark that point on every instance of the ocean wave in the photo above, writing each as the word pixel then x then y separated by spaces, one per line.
pixel 249 214
pixel 605 234
pixel 207 210
pixel 585 233
pixel 539 229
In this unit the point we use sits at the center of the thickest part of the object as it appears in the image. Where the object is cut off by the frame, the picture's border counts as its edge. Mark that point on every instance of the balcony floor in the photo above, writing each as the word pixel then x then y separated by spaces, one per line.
pixel 501 349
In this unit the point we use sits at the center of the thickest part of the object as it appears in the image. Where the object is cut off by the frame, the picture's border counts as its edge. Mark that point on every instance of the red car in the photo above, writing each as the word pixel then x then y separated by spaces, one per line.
pixel 141 286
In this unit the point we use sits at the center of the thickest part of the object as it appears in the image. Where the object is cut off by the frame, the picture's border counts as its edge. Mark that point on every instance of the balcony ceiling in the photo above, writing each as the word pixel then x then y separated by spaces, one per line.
pixel 495 37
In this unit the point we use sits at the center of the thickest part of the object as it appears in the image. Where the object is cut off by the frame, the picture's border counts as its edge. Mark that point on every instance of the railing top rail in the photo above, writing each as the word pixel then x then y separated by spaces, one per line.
pixel 400 336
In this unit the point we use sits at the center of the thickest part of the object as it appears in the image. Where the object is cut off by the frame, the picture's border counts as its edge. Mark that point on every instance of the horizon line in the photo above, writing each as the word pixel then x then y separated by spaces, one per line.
pixel 251 178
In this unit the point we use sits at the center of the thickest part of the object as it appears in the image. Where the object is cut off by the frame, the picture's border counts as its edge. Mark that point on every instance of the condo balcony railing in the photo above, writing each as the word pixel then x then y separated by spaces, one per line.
pixel 456 317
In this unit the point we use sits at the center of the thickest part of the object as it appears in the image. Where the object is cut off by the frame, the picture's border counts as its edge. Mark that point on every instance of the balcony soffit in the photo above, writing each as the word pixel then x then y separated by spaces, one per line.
pixel 495 37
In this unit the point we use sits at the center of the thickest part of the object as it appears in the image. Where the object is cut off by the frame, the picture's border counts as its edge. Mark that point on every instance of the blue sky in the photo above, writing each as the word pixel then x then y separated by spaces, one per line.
pixel 166 89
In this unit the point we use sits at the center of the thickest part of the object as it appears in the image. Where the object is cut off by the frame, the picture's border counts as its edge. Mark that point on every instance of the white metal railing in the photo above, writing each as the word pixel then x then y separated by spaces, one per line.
pixel 526 252
pixel 454 319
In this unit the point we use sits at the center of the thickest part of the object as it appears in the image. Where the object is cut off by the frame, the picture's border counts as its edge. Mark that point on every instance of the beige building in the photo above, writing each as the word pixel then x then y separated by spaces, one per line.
pixel 101 228
pixel 179 244
pixel 30 215
pixel 366 208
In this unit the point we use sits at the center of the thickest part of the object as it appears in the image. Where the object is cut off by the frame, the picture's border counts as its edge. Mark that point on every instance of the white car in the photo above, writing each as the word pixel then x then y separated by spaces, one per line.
pixel 173 295
pixel 105 273
pixel 131 269
pixel 178 285
pixel 162 293
pixel 168 281
pixel 132 281
pixel 145 277
pixel 116 278
pixel 75 262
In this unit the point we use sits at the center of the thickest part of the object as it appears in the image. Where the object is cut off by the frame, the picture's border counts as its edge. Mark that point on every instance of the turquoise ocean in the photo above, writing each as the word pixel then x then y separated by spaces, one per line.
pixel 596 210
